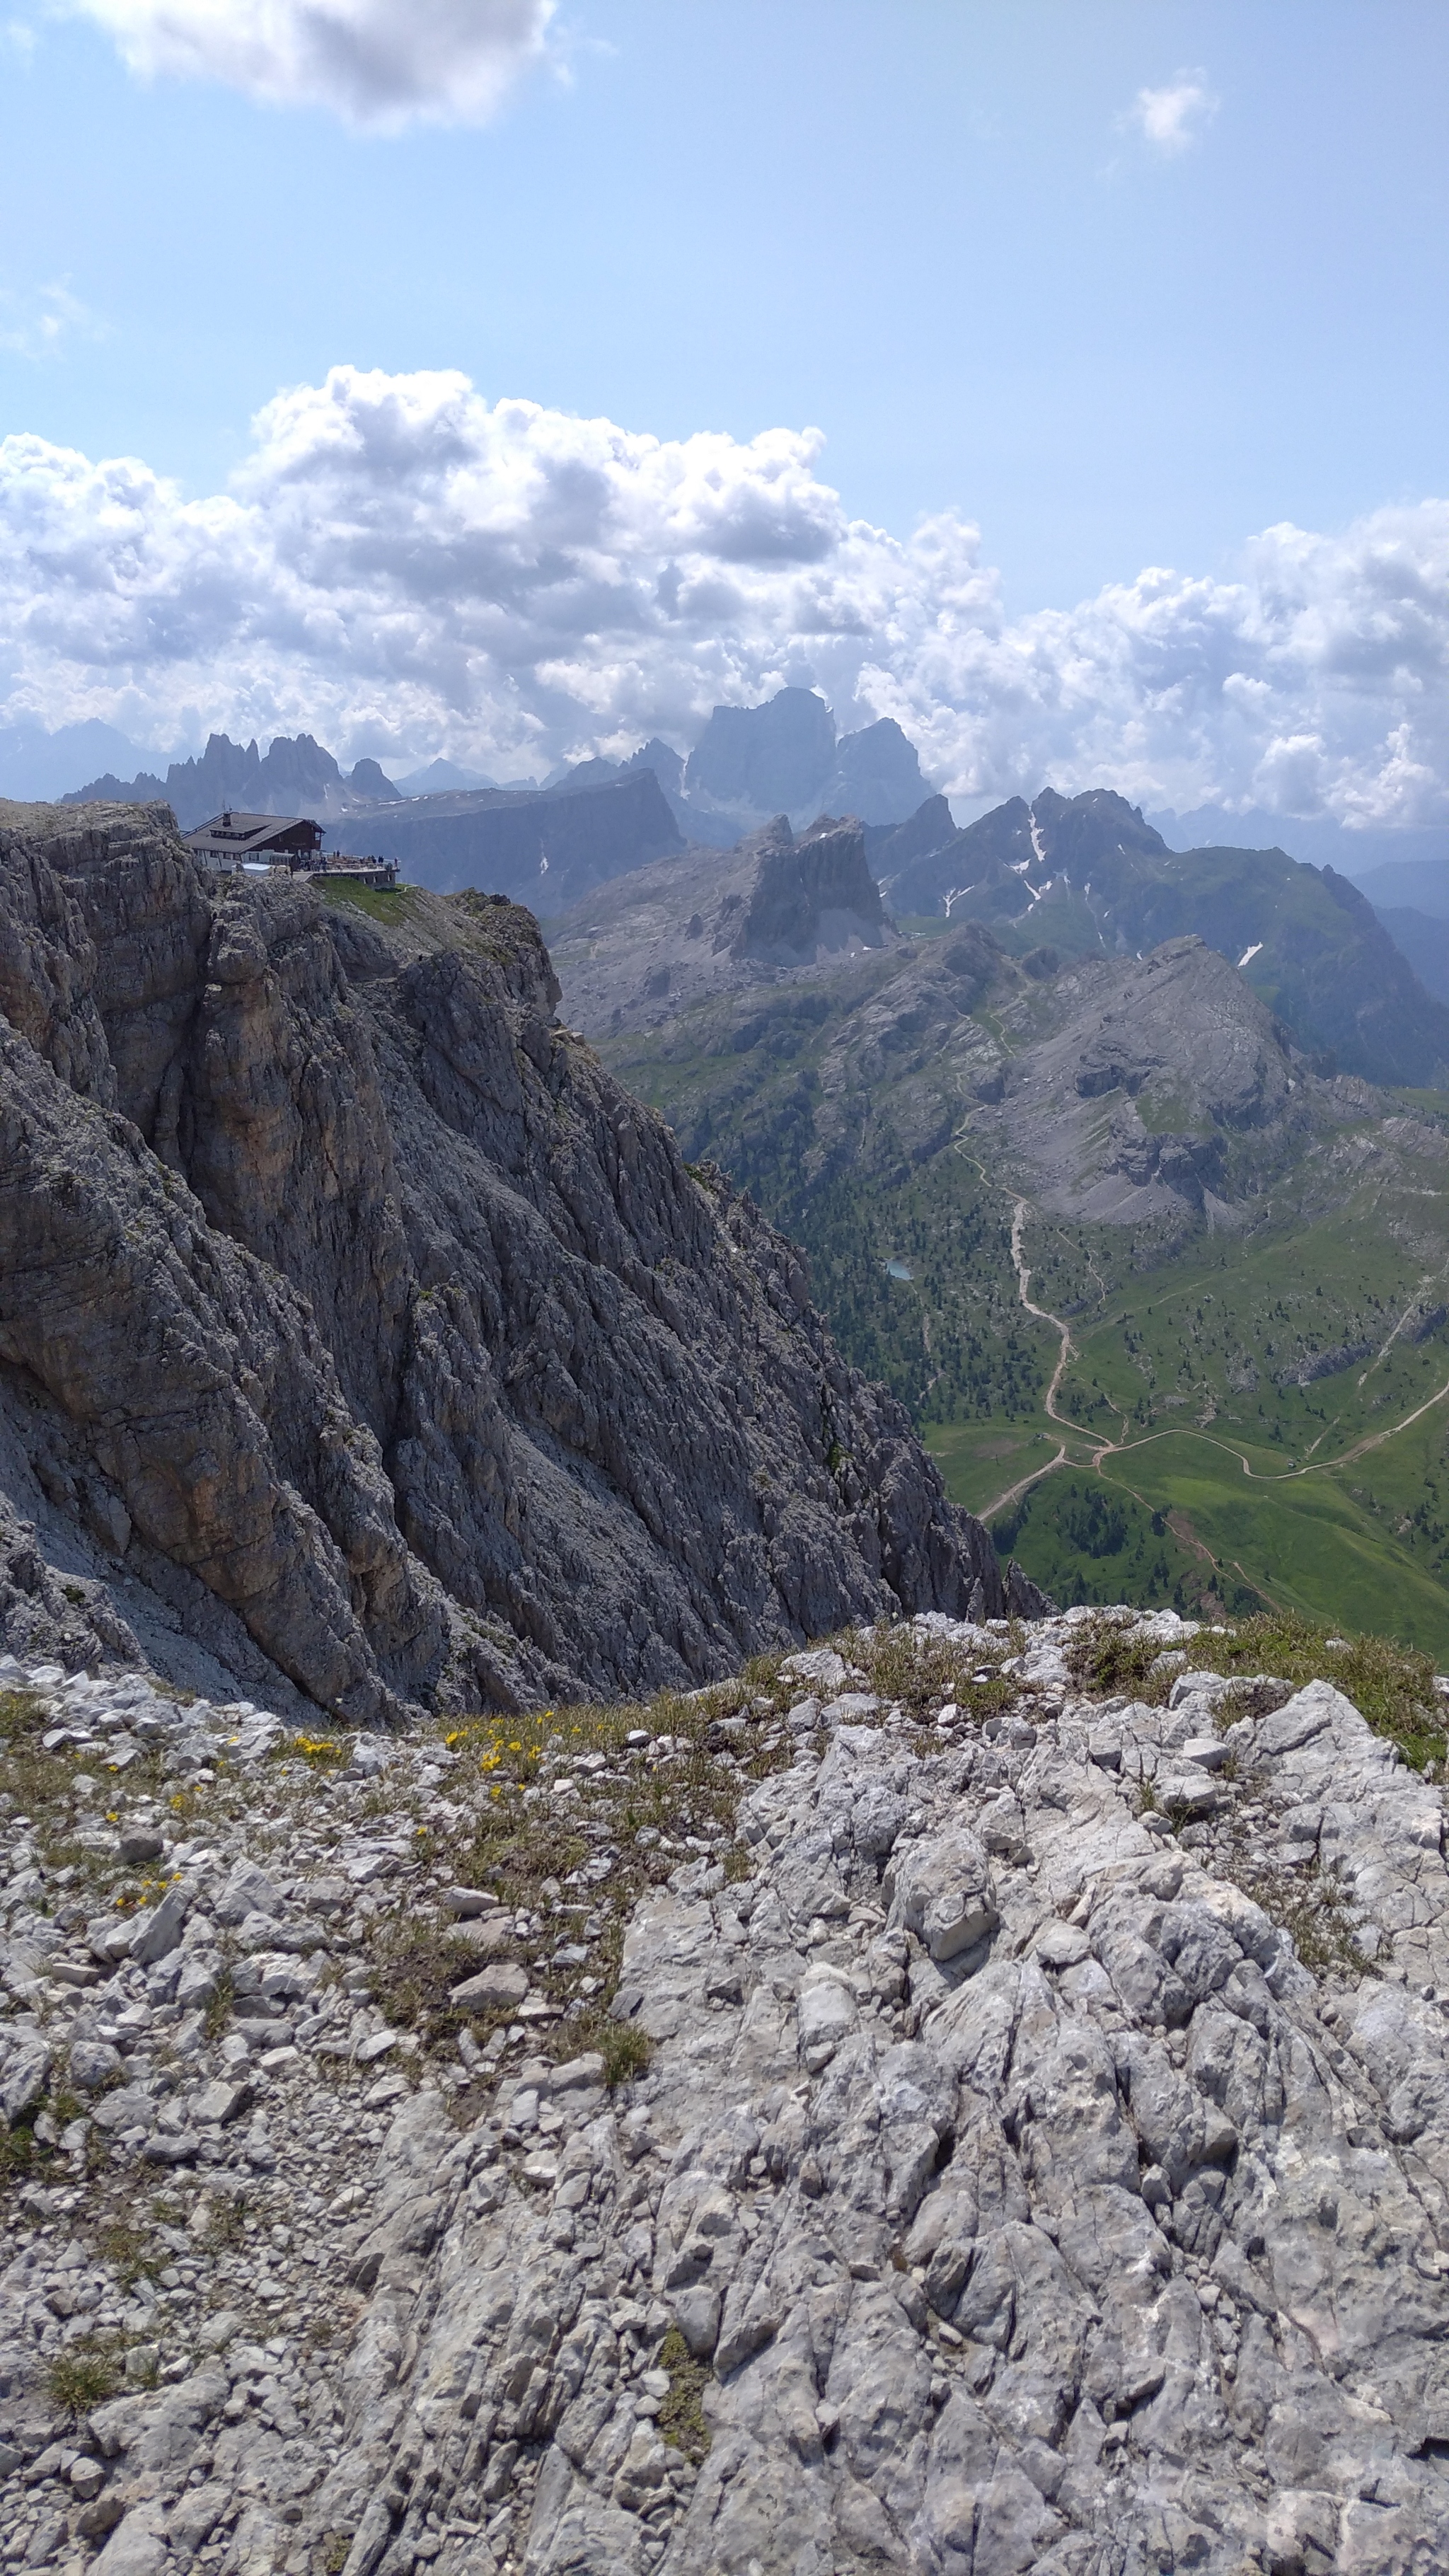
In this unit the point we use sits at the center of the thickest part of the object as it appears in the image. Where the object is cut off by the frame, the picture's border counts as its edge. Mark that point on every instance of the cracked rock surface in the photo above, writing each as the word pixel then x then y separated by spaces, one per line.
pixel 1040 2161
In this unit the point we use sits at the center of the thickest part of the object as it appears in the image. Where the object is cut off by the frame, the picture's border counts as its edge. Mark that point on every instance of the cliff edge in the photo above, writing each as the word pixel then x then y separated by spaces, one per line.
pixel 361 1338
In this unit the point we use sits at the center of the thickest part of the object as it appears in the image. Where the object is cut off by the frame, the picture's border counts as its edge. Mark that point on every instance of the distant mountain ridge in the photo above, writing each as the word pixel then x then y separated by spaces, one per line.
pixel 1089 876
pixel 296 774
pixel 782 758
pixel 1356 850
pixel 40 761
pixel 1356 980
pixel 750 763
pixel 546 847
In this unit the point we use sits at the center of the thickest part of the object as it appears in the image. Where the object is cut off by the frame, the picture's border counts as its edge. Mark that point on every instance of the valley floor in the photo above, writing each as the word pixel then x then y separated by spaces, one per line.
pixel 1144 1471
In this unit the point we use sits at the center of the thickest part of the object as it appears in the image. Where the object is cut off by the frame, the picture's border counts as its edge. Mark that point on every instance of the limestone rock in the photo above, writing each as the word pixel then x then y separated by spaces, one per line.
pixel 942 1890
pixel 1116 2239
pixel 355 1322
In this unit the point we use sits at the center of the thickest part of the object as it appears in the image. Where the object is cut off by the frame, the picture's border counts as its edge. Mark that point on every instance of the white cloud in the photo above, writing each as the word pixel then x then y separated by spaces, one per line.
pixel 1171 118
pixel 402 567
pixel 380 63
pixel 38 325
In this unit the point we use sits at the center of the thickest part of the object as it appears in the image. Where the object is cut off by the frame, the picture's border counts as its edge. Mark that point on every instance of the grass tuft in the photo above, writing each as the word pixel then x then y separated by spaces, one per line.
pixel 82 2376
pixel 218 2011
pixel 626 2051
pixel 920 1673
pixel 1105 1658
pixel 417 1966
pixel 22 1713
pixel 124 2250
pixel 1391 1686
pixel 680 2421
pixel 226 2223
pixel 1314 1907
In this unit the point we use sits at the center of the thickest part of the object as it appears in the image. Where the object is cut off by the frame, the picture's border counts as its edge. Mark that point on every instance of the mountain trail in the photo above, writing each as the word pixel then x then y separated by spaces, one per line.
pixel 1100 1449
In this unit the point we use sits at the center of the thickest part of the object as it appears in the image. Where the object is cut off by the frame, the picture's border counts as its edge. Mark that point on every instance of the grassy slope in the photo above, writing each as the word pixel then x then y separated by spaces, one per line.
pixel 1179 1369
pixel 391 905
pixel 1179 1350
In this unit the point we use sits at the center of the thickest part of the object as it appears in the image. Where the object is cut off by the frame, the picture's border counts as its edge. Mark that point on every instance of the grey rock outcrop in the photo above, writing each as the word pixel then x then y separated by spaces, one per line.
pixel 785 757
pixel 702 926
pixel 342 1290
pixel 811 896
pixel 1162 1076
pixel 1023 2177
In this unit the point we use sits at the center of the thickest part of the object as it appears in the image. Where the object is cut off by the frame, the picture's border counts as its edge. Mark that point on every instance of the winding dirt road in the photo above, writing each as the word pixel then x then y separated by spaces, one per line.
pixel 1100 1449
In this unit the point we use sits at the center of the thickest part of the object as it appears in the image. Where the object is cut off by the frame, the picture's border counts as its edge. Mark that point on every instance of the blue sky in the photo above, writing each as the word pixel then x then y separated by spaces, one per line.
pixel 952 238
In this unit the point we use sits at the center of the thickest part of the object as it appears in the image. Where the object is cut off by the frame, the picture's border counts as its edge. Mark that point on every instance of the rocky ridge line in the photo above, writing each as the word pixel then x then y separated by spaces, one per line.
pixel 1008 2187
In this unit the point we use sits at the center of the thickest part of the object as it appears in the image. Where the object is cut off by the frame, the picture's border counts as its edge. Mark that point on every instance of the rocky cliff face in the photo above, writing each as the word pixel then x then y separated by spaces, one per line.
pixel 704 925
pixel 544 848
pixel 811 898
pixel 1010 2139
pixel 1088 875
pixel 355 1324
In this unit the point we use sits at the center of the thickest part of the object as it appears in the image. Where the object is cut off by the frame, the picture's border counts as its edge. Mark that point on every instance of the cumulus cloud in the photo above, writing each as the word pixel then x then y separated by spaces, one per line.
pixel 381 63
pixel 1172 118
pixel 403 568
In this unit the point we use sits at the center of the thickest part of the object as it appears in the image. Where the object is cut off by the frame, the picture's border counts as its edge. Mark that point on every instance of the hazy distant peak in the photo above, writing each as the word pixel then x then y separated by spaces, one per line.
pixel 439 777
pixel 368 779
pixel 666 763
pixel 877 774
pixel 297 776
pixel 776 755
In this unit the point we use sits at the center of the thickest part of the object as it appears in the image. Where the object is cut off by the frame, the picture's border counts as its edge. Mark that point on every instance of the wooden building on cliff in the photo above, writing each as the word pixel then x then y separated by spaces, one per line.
pixel 258 844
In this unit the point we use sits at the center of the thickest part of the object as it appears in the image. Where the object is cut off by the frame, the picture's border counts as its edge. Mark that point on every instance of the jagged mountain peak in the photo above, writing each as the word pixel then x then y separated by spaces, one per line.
pixel 647 944
pixel 296 775
pixel 811 896
pixel 1088 876
pixel 1074 832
